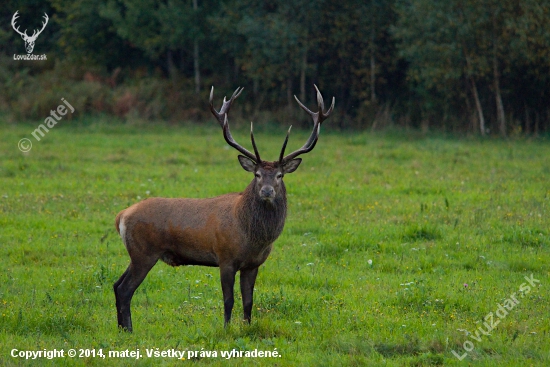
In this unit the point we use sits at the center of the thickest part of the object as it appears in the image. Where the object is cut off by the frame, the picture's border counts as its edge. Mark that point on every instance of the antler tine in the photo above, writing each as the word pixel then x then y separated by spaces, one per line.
pixel 212 109
pixel 13 19
pixel 222 118
pixel 44 23
pixel 284 146
pixel 321 104
pixel 303 107
pixel 254 143
pixel 229 139
pixel 226 105
pixel 329 111
pixel 314 116
pixel 320 101
pixel 35 32
pixel 318 118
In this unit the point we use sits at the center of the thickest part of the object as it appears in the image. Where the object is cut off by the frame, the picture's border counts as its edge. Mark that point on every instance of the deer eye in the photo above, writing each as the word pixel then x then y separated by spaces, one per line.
pixel 257 175
pixel 279 175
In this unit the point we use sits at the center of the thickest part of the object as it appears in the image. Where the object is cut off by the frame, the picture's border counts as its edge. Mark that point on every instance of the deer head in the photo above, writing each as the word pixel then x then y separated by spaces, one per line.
pixel 269 175
pixel 29 40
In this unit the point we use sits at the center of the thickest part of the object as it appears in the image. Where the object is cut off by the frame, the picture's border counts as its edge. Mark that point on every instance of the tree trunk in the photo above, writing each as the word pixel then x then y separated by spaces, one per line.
pixel 289 92
pixel 480 117
pixel 470 75
pixel 303 76
pixel 196 66
pixel 196 57
pixel 471 115
pixel 501 119
pixel 372 63
pixel 372 79
pixel 500 108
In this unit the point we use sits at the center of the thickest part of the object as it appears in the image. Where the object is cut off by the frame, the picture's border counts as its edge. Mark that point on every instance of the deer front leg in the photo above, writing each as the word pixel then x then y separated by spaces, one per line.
pixel 248 278
pixel 227 275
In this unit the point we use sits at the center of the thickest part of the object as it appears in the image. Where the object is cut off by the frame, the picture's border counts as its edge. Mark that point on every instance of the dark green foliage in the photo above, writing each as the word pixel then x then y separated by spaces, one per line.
pixel 468 66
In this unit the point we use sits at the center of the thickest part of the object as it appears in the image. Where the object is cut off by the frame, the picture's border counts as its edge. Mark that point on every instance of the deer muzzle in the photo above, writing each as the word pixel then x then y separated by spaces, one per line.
pixel 267 192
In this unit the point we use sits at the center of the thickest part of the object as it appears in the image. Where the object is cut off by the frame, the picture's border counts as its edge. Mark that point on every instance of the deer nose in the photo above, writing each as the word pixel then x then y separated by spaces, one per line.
pixel 267 192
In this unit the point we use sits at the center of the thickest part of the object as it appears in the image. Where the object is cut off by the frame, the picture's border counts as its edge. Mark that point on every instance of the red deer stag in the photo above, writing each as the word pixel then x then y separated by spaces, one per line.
pixel 233 231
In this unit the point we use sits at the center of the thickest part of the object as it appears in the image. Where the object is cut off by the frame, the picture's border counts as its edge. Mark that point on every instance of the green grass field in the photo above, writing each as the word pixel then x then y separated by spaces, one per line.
pixel 393 251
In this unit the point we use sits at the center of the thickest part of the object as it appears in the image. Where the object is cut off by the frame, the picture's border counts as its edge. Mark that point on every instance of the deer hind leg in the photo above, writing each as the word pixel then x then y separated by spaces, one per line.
pixel 117 298
pixel 126 286
pixel 227 275
pixel 248 278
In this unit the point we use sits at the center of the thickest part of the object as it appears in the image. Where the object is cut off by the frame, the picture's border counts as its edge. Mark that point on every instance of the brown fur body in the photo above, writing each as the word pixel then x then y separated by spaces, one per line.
pixel 207 232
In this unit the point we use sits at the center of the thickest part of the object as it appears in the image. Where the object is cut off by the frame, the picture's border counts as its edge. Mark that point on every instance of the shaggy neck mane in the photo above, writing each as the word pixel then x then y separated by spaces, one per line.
pixel 263 220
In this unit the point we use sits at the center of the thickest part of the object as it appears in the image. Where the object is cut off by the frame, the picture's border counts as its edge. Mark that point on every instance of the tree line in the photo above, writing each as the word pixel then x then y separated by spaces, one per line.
pixel 457 65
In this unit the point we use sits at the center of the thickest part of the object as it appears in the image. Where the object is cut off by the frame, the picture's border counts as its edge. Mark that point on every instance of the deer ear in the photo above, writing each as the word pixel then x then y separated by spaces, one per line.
pixel 292 165
pixel 247 163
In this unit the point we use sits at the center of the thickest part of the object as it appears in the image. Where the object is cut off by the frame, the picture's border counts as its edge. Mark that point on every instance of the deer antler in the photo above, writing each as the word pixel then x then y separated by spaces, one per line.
pixel 35 34
pixel 318 118
pixel 221 116
pixel 13 19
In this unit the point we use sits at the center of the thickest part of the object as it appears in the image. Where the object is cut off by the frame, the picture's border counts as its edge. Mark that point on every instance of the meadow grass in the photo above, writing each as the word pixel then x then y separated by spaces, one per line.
pixel 394 249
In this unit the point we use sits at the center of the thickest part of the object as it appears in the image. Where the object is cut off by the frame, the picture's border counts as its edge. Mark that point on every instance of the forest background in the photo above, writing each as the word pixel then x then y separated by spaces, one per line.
pixel 464 66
